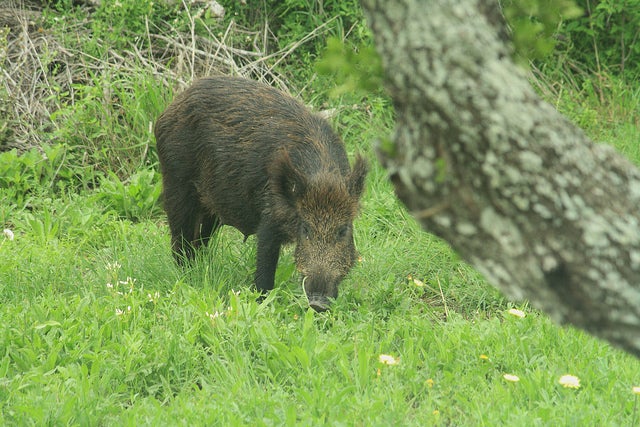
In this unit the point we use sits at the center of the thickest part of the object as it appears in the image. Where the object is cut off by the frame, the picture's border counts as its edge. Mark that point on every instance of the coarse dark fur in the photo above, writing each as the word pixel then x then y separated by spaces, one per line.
pixel 236 152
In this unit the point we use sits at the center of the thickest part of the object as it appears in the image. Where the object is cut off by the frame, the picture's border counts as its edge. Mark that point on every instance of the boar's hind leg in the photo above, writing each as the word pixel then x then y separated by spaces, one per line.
pixel 269 242
pixel 182 206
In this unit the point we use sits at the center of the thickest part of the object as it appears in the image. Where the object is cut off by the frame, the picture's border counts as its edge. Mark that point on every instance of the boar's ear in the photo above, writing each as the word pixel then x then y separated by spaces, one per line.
pixel 357 177
pixel 287 180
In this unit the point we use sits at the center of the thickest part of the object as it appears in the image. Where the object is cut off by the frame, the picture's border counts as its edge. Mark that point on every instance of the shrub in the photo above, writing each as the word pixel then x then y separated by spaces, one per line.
pixel 604 38
pixel 50 170
pixel 136 198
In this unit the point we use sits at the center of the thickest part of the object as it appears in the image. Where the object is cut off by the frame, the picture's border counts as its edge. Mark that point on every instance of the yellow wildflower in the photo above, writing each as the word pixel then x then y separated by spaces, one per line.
pixel 418 283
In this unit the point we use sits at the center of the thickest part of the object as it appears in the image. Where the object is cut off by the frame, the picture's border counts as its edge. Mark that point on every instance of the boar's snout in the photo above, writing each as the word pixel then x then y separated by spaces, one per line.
pixel 319 303
pixel 320 290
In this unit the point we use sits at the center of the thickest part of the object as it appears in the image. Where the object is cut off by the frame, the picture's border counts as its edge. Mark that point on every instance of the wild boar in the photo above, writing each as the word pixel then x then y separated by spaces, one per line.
pixel 237 152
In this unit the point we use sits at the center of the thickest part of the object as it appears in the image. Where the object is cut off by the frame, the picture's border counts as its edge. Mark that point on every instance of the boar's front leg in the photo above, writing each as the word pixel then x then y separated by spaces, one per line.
pixel 206 225
pixel 269 242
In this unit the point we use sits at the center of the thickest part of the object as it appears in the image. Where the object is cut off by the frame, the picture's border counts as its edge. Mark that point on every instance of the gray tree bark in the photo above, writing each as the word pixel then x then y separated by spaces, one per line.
pixel 515 188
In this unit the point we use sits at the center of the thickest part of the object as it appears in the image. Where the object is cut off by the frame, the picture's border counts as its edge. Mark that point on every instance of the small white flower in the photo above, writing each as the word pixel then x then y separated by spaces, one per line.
pixel 8 234
pixel 213 316
pixel 388 359
pixel 115 266
pixel 636 390
pixel 119 312
pixel 517 313
pixel 511 377
pixel 569 381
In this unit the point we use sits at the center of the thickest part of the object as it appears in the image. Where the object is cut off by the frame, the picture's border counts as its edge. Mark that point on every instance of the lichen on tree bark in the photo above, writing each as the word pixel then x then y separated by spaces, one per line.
pixel 519 191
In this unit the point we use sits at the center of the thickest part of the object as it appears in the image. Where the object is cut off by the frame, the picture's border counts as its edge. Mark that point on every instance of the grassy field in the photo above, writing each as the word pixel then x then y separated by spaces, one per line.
pixel 98 326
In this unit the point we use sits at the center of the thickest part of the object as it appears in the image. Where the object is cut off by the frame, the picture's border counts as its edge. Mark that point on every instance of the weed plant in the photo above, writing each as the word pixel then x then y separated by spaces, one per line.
pixel 98 326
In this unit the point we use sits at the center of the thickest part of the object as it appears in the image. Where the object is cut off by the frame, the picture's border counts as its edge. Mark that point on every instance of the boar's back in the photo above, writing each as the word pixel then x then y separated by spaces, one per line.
pixel 223 132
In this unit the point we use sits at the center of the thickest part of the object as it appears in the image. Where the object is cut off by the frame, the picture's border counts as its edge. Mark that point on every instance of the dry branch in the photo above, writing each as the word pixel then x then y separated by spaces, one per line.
pixel 42 68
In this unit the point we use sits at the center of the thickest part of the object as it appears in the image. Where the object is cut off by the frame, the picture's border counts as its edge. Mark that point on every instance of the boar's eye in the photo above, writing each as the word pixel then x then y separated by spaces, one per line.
pixel 342 232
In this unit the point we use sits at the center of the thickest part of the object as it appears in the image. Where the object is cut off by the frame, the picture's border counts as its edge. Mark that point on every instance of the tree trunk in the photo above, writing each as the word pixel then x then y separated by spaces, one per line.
pixel 520 192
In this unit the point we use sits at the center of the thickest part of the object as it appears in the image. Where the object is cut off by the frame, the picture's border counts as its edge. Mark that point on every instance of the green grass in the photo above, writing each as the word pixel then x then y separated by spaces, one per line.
pixel 98 326
pixel 106 330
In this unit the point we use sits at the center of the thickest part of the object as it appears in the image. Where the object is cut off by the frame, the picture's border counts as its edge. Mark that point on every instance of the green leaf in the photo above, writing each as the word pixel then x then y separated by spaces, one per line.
pixel 46 324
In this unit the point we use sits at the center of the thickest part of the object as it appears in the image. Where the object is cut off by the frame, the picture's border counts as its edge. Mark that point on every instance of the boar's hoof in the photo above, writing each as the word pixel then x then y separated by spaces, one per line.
pixel 319 303
pixel 261 297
